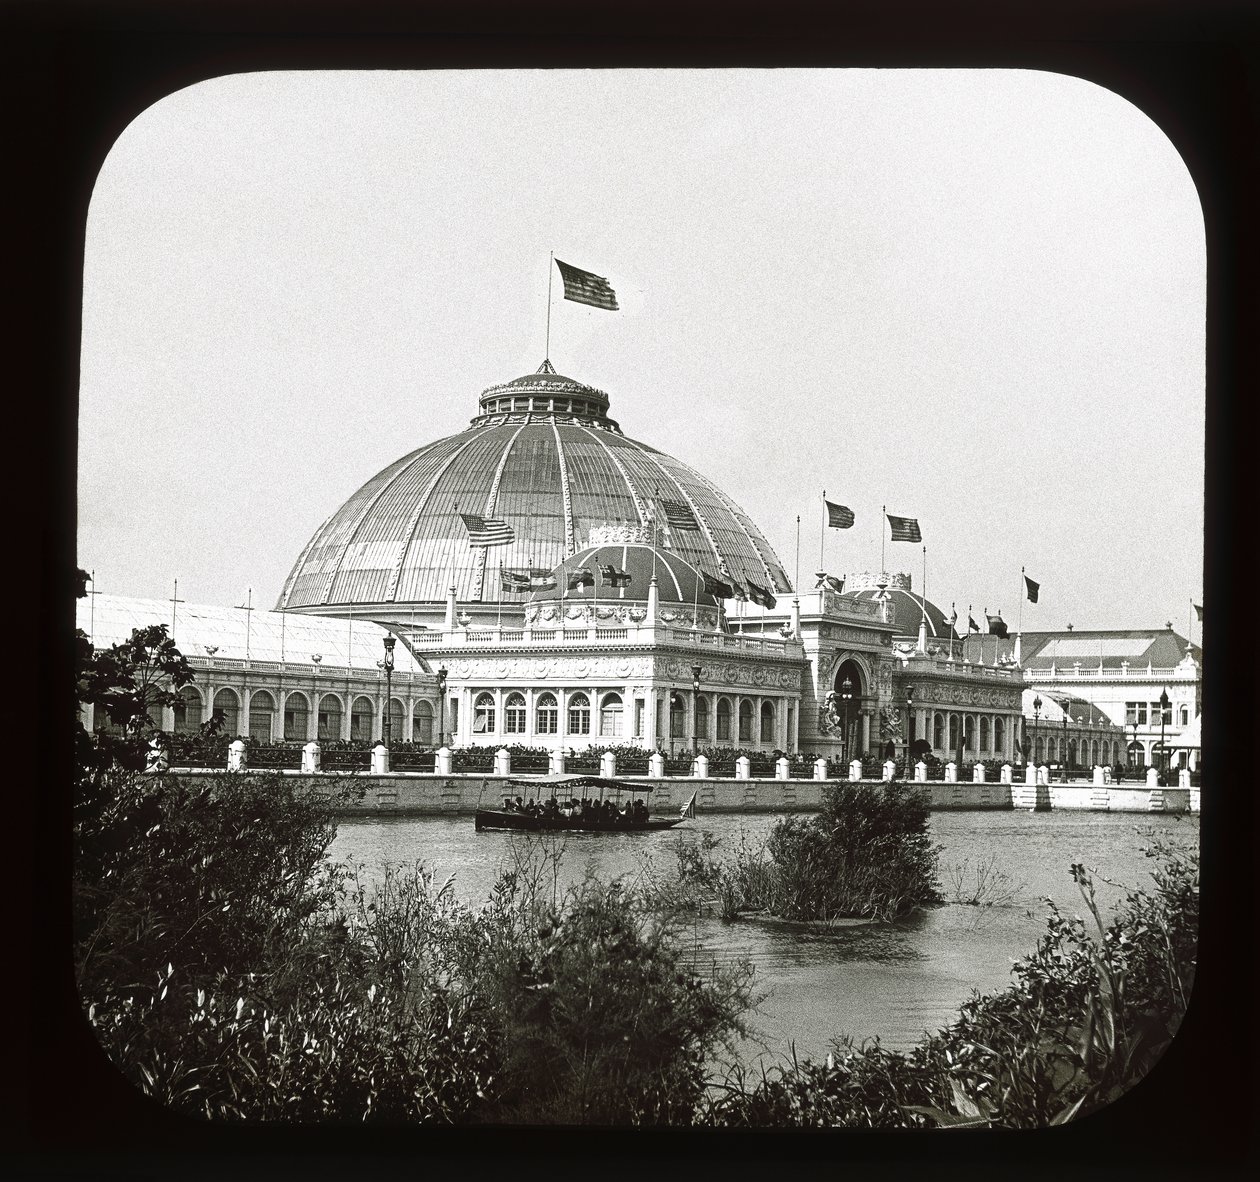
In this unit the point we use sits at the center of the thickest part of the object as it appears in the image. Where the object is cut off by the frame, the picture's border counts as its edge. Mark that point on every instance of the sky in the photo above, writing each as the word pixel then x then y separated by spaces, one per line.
pixel 975 297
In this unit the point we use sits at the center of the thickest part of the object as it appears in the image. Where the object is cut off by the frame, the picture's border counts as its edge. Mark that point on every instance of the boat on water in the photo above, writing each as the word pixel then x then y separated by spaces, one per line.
pixel 545 803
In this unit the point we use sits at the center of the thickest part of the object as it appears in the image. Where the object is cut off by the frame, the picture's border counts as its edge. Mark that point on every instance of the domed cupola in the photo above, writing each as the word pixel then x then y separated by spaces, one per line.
pixel 544 459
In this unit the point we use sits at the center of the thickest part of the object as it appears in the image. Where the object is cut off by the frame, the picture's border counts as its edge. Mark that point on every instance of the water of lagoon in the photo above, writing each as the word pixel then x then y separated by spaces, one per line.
pixel 894 981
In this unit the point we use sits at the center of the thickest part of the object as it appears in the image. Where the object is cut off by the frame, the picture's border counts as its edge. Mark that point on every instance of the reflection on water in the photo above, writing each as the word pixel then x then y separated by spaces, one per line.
pixel 891 981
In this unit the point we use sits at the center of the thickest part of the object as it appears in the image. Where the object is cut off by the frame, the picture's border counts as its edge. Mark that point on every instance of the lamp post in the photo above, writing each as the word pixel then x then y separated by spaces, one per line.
pixel 1134 726
pixel 1036 716
pixel 1163 751
pixel 1063 759
pixel 388 642
pixel 909 725
pixel 441 678
pixel 695 711
pixel 846 696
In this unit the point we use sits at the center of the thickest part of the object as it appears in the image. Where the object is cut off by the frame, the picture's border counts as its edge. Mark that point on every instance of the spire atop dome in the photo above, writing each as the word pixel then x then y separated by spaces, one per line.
pixel 546 366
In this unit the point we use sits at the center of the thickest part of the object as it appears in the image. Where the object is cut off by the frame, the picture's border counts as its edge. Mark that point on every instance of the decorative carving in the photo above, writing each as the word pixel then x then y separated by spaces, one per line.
pixel 578 611
pixel 531 613
pixel 889 723
pixel 617 534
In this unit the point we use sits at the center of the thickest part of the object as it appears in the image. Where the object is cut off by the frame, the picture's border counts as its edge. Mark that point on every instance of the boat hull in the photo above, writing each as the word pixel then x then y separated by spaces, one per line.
pixel 497 819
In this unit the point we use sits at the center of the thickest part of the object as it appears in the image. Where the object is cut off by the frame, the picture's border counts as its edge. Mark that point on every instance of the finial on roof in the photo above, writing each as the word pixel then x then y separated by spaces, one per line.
pixel 546 366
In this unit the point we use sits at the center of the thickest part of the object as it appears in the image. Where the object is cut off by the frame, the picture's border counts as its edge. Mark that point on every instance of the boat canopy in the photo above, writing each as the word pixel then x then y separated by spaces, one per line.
pixel 578 782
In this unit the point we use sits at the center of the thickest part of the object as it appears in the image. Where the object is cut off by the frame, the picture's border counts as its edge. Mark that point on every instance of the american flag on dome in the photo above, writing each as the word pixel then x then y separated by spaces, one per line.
pixel 678 515
pixel 1033 589
pixel 904 529
pixel 583 287
pixel 487 531
pixel 838 516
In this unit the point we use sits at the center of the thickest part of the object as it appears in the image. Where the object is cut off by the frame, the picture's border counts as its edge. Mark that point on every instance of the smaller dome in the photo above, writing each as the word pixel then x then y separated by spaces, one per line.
pixel 907 610
pixel 544 394
pixel 677 581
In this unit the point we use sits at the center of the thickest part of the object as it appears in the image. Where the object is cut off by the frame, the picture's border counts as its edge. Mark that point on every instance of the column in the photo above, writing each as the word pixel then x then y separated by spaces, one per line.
pixel 409 719
pixel 796 725
pixel 691 719
pixel 348 705
pixel 649 723
pixel 530 720
pixel 757 723
pixel 865 727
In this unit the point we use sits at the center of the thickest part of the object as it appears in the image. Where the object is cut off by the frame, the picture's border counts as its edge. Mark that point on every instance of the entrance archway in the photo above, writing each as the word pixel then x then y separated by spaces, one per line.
pixel 850 687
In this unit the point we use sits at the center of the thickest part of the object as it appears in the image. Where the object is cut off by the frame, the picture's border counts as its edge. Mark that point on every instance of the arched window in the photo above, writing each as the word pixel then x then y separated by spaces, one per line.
pixel 262 709
pixel 610 710
pixel 999 735
pixel 422 724
pixel 745 721
pixel 724 720
pixel 187 711
pixel 969 733
pixel 296 716
pixel 1137 755
pixel 227 703
pixel 397 712
pixel 984 732
pixel 329 718
pixel 546 715
pixel 361 715
pixel 579 715
pixel 483 715
pixel 953 732
pixel 1183 715
pixel 938 731
pixel 1039 755
pixel 1071 753
pixel 702 719
pixel 677 714
pixel 514 714
pixel 767 722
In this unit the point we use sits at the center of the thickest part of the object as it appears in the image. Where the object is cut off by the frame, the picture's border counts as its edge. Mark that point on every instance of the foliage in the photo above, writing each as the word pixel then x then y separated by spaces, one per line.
pixel 981 884
pixel 1083 1021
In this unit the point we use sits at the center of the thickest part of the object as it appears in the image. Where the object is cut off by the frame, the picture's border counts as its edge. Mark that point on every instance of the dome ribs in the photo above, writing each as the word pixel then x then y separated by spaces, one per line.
pixel 640 505
pixel 492 500
pixel 569 547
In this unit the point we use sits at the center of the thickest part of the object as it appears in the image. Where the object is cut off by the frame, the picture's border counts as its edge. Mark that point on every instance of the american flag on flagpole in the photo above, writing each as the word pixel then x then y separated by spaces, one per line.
pixel 904 529
pixel 838 516
pixel 678 515
pixel 487 531
pixel 1033 589
pixel 583 287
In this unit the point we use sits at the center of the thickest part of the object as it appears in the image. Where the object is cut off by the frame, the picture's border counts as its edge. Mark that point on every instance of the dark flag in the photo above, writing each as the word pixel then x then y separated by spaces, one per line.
pixel 612 577
pixel 1198 608
pixel 760 595
pixel 514 580
pixel 581 578
pixel 584 288
pixel 716 587
pixel 541 580
pixel 997 625
pixel 838 516
pixel 904 529
pixel 487 531
pixel 828 582
pixel 1033 588
pixel 738 592
pixel 972 626
pixel 678 515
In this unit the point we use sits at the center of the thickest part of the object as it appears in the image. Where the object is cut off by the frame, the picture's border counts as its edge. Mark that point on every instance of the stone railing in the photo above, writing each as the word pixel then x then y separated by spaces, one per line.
pixel 604 635
pixel 1124 673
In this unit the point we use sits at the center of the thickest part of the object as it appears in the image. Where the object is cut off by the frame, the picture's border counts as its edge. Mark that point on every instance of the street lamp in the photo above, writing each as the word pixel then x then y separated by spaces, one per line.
pixel 1036 716
pixel 388 642
pixel 695 711
pixel 1132 753
pixel 846 696
pixel 1163 751
pixel 441 676
pixel 909 725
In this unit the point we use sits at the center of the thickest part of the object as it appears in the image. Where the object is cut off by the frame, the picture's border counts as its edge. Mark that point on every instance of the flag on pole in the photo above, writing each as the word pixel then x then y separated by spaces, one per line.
pixel 904 529
pixel 761 596
pixel 678 515
pixel 585 288
pixel 972 626
pixel 541 580
pixel 1198 609
pixel 838 516
pixel 738 592
pixel 581 578
pixel 514 580
pixel 828 582
pixel 716 587
pixel 1033 588
pixel 612 577
pixel 487 531
pixel 997 625
pixel 689 809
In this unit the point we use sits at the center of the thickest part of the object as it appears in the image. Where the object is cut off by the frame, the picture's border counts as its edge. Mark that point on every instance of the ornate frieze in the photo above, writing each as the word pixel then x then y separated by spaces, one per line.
pixel 732 673
pixel 614 667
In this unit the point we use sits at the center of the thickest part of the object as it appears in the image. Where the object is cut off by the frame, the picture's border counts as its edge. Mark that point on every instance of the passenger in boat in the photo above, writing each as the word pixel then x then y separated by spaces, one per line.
pixel 551 809
pixel 638 812
pixel 610 811
pixel 509 805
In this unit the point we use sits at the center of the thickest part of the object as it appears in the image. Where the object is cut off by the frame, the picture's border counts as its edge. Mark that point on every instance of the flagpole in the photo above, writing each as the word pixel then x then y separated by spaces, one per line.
pixel 551 266
pixel 1023 590
pixel 923 589
pixel 822 533
pixel 500 596
pixel 797 584
pixel 884 513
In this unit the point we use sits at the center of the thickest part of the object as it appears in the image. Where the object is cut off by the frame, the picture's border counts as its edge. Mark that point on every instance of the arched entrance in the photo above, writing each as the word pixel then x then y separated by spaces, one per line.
pixel 850 687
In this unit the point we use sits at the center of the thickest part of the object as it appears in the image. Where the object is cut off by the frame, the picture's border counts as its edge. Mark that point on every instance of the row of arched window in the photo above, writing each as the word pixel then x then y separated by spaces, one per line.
pixel 189 714
pixel 945 733
pixel 1086 753
pixel 611 724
